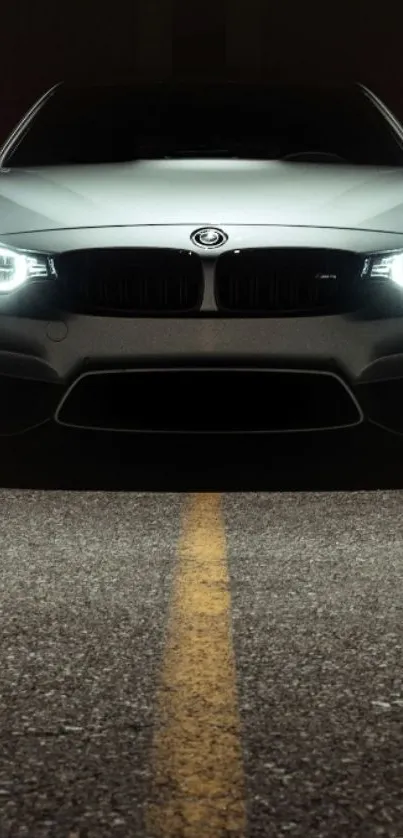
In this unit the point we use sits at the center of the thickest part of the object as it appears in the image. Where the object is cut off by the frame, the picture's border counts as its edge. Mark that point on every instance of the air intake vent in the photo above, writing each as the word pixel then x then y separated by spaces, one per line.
pixel 244 401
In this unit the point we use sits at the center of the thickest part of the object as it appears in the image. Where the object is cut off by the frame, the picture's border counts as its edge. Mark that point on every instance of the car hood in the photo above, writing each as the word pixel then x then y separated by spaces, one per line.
pixel 214 192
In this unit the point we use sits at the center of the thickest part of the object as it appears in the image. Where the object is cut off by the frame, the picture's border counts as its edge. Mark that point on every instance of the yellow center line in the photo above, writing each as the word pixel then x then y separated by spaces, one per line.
pixel 197 758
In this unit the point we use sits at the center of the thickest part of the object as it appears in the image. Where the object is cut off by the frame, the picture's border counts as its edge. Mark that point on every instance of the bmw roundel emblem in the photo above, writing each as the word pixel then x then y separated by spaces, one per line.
pixel 209 237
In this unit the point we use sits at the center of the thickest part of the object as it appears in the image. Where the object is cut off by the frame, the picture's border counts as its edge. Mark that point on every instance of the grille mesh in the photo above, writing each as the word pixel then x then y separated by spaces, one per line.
pixel 130 281
pixel 286 280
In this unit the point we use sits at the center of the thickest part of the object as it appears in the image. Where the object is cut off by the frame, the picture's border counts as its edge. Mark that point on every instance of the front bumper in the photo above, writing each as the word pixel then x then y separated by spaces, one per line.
pixel 40 360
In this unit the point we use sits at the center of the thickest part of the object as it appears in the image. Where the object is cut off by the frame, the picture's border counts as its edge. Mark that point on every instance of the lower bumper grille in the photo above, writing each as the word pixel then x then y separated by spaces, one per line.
pixel 130 281
pixel 382 402
pixel 208 400
pixel 287 281
pixel 26 403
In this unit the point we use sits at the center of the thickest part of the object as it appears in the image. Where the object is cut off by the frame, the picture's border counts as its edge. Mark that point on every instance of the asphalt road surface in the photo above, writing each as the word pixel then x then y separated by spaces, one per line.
pixel 201 638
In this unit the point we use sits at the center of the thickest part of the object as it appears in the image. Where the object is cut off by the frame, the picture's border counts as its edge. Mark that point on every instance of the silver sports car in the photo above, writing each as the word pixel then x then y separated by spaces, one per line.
pixel 205 258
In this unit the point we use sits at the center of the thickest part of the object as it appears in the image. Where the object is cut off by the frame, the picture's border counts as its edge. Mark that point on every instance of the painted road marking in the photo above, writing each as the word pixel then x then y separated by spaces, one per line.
pixel 197 758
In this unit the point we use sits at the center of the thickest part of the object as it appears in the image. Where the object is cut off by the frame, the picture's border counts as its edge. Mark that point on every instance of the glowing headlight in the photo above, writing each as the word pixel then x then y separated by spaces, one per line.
pixel 16 268
pixel 385 266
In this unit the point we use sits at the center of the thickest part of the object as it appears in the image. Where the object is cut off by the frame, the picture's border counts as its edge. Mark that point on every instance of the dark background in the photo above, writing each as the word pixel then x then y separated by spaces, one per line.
pixel 45 42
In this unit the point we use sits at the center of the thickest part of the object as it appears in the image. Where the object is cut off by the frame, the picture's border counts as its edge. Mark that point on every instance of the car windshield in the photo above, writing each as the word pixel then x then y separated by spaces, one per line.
pixel 118 124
